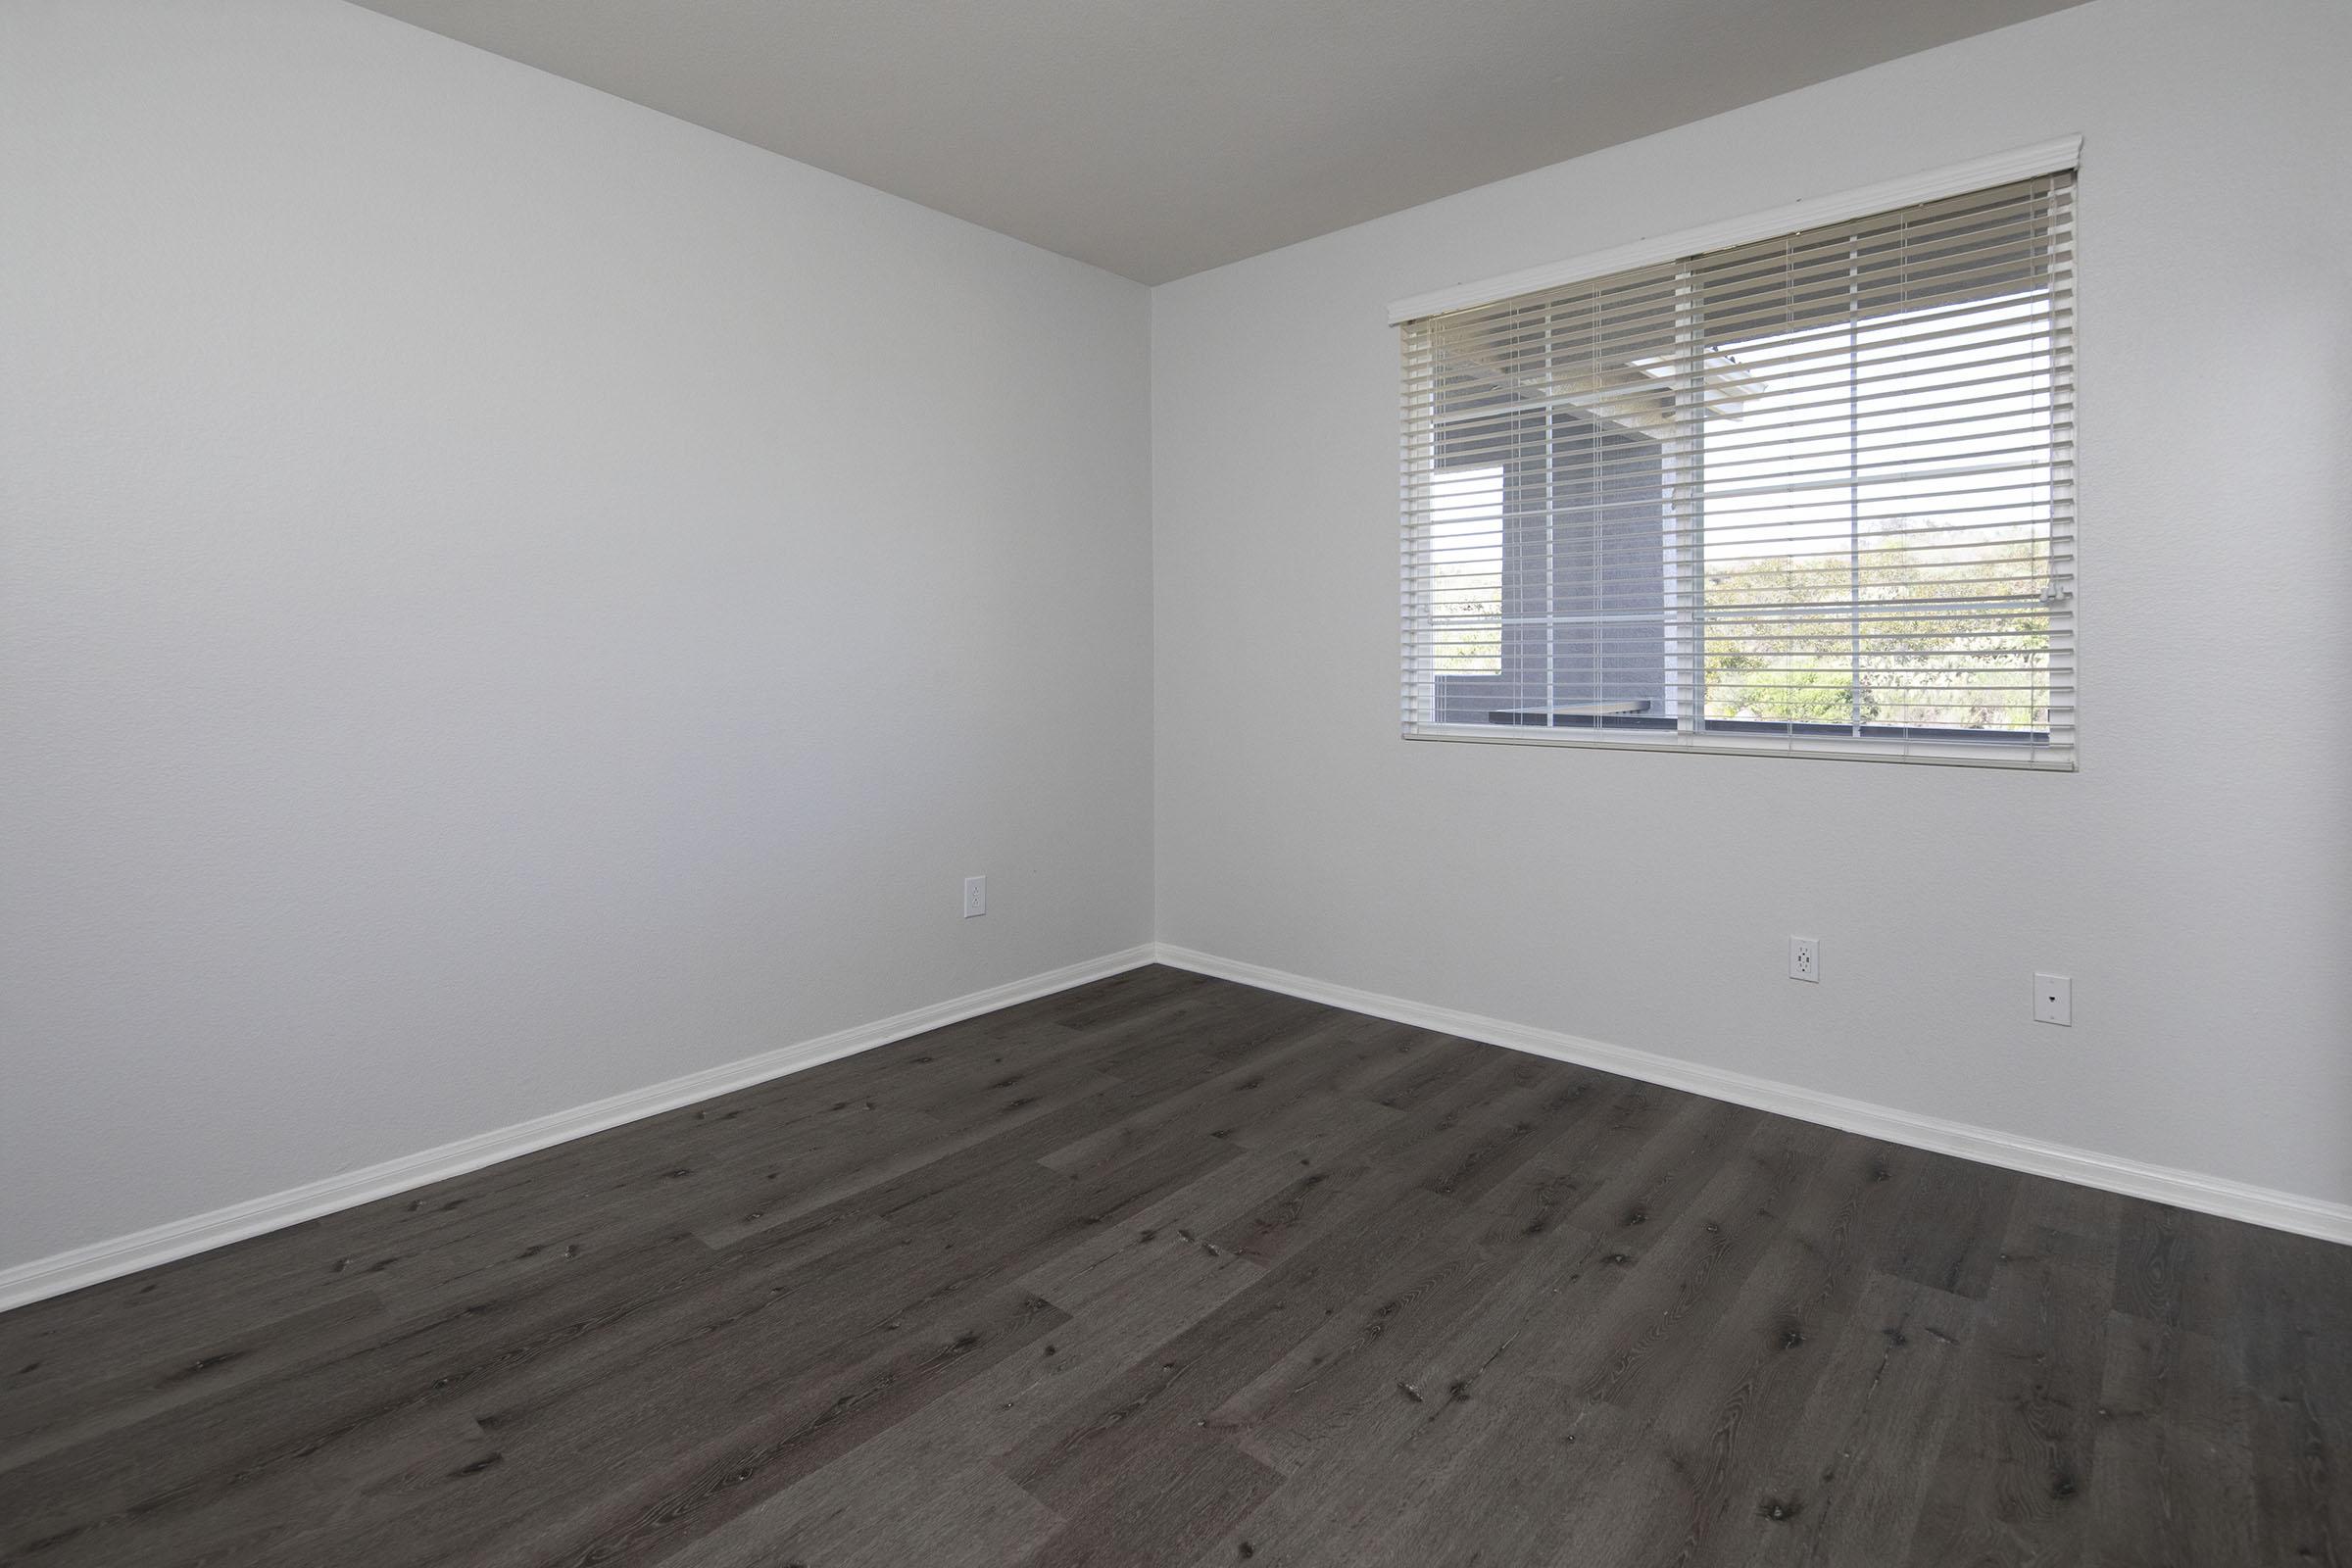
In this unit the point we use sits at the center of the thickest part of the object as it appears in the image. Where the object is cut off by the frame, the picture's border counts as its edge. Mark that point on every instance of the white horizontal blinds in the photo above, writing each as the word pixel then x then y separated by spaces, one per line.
pixel 1809 493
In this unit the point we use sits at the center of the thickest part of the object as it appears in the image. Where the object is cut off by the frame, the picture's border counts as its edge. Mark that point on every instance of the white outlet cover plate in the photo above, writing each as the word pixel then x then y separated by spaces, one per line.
pixel 2054 999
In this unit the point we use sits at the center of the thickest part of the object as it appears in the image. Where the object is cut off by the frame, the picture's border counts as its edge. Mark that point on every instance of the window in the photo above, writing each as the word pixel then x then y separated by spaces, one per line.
pixel 1810 493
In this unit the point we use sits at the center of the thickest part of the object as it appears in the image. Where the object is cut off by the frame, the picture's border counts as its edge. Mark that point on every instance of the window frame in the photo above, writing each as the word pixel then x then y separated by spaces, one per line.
pixel 1682 529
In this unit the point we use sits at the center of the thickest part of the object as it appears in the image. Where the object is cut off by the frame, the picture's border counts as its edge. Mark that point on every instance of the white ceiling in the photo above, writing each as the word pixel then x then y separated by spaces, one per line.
pixel 1158 137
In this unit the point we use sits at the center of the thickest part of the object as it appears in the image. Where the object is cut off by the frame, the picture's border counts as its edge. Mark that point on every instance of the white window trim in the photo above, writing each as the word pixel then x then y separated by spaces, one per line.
pixel 2058 156
pixel 2019 757
pixel 1958 179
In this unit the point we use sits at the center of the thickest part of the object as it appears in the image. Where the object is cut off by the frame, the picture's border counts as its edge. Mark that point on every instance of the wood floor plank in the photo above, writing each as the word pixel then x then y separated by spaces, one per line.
pixel 1643 1158
pixel 1505 1492
pixel 1842 1483
pixel 42 1421
pixel 1362 1357
pixel 1356 1498
pixel 1165 1270
pixel 1228 1105
pixel 200 1473
pixel 2011 1482
pixel 2173 1456
pixel 1174 1388
pixel 887 1505
pixel 2292 1328
pixel 168 1314
pixel 2176 1268
pixel 644 1512
pixel 1698 1269
pixel 1951 1236
pixel 1728 1411
pixel 2302 1456
pixel 1467 1135
pixel 1181 1286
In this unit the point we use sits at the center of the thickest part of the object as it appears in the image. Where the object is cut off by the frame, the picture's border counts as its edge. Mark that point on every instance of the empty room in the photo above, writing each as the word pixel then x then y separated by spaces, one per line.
pixel 1322 783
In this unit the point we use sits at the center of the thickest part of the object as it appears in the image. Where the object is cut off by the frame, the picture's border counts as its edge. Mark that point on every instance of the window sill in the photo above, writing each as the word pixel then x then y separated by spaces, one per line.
pixel 2027 752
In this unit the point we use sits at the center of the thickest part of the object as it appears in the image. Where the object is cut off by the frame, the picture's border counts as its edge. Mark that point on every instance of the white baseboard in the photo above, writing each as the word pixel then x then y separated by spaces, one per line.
pixel 126 1255
pixel 2183 1189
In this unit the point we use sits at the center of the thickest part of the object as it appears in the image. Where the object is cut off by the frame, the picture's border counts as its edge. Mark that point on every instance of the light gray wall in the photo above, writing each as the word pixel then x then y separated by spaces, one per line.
pixel 2195 877
pixel 507 597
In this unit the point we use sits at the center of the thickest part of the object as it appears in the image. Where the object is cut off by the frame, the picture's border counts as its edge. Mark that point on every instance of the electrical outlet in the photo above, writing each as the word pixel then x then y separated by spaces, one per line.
pixel 1804 959
pixel 2054 999
pixel 975 896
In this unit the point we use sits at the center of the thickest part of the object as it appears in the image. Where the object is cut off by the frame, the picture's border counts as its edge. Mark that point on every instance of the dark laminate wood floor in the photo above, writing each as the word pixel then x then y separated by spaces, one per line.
pixel 1165 1270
